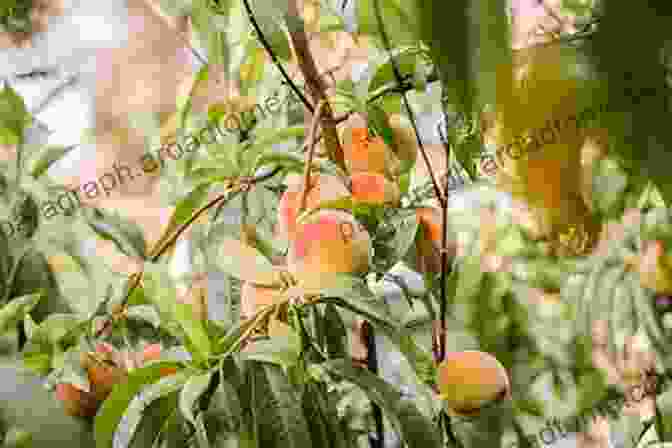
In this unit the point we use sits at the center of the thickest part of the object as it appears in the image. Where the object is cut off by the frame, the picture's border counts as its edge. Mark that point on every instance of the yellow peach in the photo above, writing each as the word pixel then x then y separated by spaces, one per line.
pixel 329 242
pixel 373 188
pixel 469 380
pixel 322 189
pixel 364 153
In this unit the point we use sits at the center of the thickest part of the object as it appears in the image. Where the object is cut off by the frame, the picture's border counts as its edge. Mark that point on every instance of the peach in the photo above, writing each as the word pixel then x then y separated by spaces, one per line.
pixel 364 153
pixel 102 376
pixel 322 189
pixel 469 380
pixel 407 148
pixel 373 188
pixel 329 242
pixel 76 402
pixel 254 297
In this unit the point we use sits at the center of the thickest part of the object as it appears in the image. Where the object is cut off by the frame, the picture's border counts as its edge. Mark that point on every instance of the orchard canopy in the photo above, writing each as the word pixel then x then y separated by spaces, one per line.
pixel 335 223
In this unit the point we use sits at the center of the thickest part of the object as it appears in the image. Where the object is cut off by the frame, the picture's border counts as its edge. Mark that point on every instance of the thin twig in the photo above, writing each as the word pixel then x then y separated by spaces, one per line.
pixel 311 152
pixel 274 58
pixel 435 183
pixel 137 277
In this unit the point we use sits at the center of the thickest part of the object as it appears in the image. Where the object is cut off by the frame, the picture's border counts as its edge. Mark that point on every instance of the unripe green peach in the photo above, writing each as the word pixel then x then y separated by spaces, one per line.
pixel 374 189
pixel 470 380
pixel 329 242
pixel 407 148
pixel 323 188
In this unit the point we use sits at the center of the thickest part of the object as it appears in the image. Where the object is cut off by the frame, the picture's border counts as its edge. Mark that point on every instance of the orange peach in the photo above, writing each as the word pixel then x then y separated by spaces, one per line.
pixel 471 379
pixel 365 153
pixel 254 297
pixel 329 242
pixel 323 188
pixel 76 402
pixel 373 188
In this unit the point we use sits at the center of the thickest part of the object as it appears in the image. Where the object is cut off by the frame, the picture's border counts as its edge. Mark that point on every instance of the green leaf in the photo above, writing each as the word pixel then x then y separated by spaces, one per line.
pixel 194 329
pixel 281 349
pixel 335 332
pixel 113 409
pixel 41 160
pixel 294 428
pixel 146 313
pixel 246 263
pixel 183 211
pixel 399 20
pixel 413 428
pixel 125 234
pixel 406 227
pixel 610 182
pixel 135 419
pixel 406 58
pixel 13 312
pixel 191 393
pixel 13 115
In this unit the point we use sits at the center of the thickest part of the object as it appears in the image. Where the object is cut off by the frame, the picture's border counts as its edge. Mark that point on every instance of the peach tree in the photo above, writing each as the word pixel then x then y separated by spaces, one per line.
pixel 517 264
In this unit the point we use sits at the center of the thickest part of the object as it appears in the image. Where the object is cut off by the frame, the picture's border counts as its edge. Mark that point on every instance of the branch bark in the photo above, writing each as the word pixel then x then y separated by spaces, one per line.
pixel 316 86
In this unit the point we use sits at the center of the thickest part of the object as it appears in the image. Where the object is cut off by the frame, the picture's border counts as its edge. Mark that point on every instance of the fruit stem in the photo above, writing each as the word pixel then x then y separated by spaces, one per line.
pixel 311 151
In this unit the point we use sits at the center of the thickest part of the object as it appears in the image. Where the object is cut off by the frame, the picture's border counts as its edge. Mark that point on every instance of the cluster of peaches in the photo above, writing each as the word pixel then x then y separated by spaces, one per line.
pixel 105 368
pixel 327 241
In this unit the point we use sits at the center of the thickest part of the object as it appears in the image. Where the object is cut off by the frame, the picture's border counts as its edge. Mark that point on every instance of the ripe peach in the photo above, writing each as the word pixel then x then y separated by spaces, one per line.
pixel 471 379
pixel 103 377
pixel 329 242
pixel 76 402
pixel 373 188
pixel 322 189
pixel 254 297
pixel 364 153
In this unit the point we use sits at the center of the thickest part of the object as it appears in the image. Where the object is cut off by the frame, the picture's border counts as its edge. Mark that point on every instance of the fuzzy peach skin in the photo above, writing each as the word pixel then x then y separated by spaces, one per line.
pixel 373 188
pixel 323 188
pixel 365 153
pixel 470 379
pixel 329 242
pixel 254 297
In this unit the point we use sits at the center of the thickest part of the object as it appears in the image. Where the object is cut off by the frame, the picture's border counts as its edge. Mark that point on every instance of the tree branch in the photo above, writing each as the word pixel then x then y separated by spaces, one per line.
pixel 315 83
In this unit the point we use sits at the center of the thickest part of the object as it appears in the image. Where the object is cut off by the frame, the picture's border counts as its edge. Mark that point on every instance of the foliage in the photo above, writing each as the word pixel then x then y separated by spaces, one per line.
pixel 285 376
